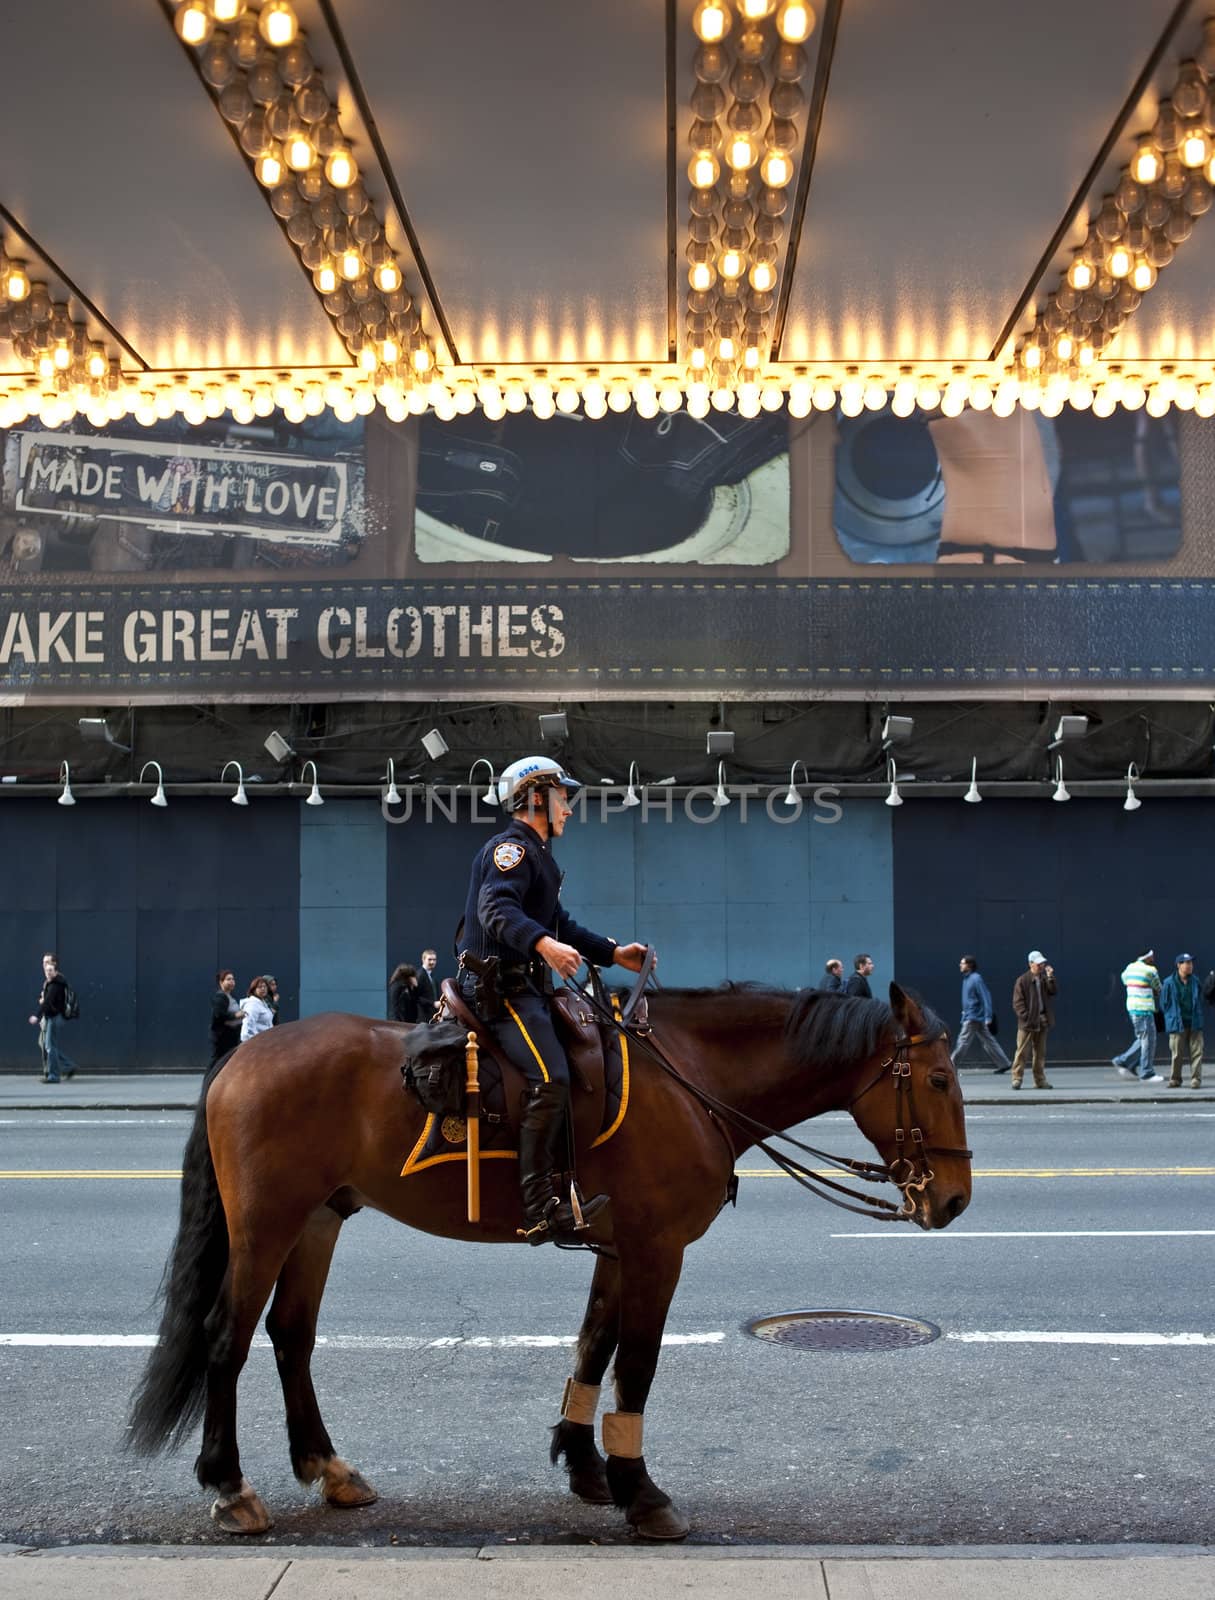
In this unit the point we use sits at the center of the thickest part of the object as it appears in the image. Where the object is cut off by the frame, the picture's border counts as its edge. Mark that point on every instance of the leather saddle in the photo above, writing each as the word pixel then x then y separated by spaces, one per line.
pixel 578 1030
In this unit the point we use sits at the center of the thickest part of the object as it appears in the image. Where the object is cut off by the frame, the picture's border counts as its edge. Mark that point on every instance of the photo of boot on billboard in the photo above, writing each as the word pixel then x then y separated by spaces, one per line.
pixel 1024 495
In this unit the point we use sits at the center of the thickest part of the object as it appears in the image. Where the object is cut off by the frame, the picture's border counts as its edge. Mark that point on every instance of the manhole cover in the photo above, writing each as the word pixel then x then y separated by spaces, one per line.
pixel 843 1330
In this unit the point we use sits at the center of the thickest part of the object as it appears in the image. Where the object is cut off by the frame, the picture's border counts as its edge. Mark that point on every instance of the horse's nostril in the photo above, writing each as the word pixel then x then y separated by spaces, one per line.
pixel 954 1206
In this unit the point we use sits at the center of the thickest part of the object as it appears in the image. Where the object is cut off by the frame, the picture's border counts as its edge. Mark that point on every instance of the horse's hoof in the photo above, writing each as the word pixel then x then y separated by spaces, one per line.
pixel 591 1487
pixel 346 1488
pixel 664 1522
pixel 242 1513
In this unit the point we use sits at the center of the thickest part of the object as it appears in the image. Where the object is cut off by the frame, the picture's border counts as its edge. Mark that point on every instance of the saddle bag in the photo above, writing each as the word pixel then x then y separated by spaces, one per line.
pixel 577 1029
pixel 434 1067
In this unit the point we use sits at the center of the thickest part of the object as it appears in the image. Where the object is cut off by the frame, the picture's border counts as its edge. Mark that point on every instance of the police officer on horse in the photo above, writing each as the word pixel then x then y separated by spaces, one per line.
pixel 517 935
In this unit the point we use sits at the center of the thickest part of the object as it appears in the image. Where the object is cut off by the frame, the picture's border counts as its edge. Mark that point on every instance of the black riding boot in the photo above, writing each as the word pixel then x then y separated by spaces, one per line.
pixel 546 1214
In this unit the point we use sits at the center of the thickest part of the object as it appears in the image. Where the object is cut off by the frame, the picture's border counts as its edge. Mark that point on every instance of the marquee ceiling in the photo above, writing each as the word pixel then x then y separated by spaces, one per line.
pixel 526 169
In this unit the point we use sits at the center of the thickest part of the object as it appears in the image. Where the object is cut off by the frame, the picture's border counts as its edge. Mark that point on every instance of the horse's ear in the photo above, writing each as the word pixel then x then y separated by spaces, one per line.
pixel 909 1016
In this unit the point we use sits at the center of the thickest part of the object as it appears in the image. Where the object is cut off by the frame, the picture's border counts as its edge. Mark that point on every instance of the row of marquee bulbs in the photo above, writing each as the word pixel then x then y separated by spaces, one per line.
pixel 713 19
pixel 299 398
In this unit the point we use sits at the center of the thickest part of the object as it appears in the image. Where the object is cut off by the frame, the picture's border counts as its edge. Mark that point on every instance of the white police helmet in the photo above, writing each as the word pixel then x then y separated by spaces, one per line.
pixel 532 772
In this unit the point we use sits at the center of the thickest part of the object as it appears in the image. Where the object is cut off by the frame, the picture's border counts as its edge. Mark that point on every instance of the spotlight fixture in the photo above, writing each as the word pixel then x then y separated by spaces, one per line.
pixel 392 795
pixel 314 798
pixel 972 795
pixel 1069 728
pixel 631 796
pixel 1060 787
pixel 896 730
pixel 792 798
pixel 97 731
pixel 240 798
pixel 553 725
pixel 490 797
pixel 278 747
pixel 720 743
pixel 721 798
pixel 434 744
pixel 158 799
pixel 67 798
pixel 894 798
pixel 1132 801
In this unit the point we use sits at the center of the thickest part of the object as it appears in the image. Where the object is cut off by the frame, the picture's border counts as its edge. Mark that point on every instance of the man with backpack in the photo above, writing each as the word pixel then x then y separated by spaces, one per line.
pixel 56 1006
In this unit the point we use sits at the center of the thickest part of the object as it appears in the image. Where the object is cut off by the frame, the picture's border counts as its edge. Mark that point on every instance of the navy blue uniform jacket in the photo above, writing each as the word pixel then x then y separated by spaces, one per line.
pixel 514 899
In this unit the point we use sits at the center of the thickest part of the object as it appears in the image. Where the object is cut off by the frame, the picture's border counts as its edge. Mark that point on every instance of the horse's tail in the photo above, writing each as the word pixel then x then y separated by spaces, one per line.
pixel 171 1393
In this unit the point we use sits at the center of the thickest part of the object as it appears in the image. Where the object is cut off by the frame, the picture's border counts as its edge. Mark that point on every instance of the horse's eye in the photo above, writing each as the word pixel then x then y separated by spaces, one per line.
pixel 939 1080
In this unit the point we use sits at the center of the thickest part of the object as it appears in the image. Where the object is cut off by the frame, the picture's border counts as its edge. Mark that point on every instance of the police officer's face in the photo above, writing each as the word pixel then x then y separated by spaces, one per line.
pixel 558 811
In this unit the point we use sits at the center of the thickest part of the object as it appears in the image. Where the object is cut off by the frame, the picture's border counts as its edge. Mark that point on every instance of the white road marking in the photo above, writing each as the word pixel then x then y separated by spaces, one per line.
pixel 338 1341
pixel 1053 1233
pixel 1028 1337
pixel 554 1341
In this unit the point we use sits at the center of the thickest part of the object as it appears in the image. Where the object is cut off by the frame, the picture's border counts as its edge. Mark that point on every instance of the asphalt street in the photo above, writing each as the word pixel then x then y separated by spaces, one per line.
pixel 1067 1398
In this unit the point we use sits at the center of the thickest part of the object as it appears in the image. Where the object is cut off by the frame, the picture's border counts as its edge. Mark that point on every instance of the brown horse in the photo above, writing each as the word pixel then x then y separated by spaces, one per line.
pixel 307 1123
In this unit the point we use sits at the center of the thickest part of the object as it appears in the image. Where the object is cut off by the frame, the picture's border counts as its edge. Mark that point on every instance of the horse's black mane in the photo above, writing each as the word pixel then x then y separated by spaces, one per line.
pixel 839 1029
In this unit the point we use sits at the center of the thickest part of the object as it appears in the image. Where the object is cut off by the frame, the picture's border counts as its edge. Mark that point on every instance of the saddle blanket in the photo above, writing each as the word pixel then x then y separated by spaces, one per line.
pixel 446 1138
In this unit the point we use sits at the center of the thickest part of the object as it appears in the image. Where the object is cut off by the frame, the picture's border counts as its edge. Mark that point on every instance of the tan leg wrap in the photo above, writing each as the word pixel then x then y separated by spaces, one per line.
pixel 622 1433
pixel 580 1401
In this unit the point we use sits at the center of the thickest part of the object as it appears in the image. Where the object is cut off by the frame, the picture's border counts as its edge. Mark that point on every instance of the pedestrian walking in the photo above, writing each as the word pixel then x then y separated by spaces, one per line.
pixel 858 981
pixel 56 1008
pixel 272 995
pixel 48 966
pixel 1032 998
pixel 1181 1002
pixel 428 986
pixel 833 976
pixel 226 1015
pixel 978 1015
pixel 258 1017
pixel 1142 998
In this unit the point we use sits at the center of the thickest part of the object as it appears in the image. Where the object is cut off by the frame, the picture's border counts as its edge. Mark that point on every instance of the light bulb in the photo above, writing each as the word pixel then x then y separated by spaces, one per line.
pixel 731 264
pixel 742 152
pixel 98 366
pixel 702 275
pixel 388 277
pixel 350 265
pixel 567 398
pixel 1146 166
pixel 421 361
pixel 277 23
pixel 1119 261
pixel 368 359
pixel 776 169
pixel 762 277
pixel 16 282
pixel 756 10
pixel 268 169
pixel 670 397
pixel 227 10
pixel 340 168
pixel 1032 356
pixel 704 169
pixel 1195 148
pixel 1143 276
pixel 299 153
pixel 712 21
pixel 1065 346
pixel 795 22
pixel 193 22
pixel 725 349
pixel 325 277
pixel 1081 274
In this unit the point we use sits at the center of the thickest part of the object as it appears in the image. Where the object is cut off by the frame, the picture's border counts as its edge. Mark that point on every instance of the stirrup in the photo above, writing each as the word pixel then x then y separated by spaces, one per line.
pixel 575 1221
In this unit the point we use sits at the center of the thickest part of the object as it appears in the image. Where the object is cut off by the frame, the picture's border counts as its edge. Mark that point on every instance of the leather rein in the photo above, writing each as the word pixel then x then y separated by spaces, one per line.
pixel 910 1171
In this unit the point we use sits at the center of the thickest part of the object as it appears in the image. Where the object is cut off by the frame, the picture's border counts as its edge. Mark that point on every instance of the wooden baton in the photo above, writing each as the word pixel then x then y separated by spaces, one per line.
pixel 472 1090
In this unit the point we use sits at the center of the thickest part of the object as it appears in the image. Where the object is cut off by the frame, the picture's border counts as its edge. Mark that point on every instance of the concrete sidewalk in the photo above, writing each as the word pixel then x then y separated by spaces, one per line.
pixel 506 1572
pixel 1087 1085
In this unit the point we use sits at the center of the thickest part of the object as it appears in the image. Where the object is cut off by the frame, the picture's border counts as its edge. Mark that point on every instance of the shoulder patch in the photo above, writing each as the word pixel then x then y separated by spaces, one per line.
pixel 508 855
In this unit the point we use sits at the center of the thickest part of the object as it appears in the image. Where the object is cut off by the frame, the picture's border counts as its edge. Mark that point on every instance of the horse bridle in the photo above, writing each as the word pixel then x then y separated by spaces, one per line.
pixel 910 1171
pixel 917 1174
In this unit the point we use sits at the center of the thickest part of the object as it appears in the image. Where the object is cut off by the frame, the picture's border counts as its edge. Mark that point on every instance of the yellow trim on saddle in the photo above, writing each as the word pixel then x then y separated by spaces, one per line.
pixel 412 1164
pixel 527 1039
pixel 624 1081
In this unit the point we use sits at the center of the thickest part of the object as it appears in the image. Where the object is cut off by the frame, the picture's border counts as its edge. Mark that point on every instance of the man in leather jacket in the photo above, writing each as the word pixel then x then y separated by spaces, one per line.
pixel 516 934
